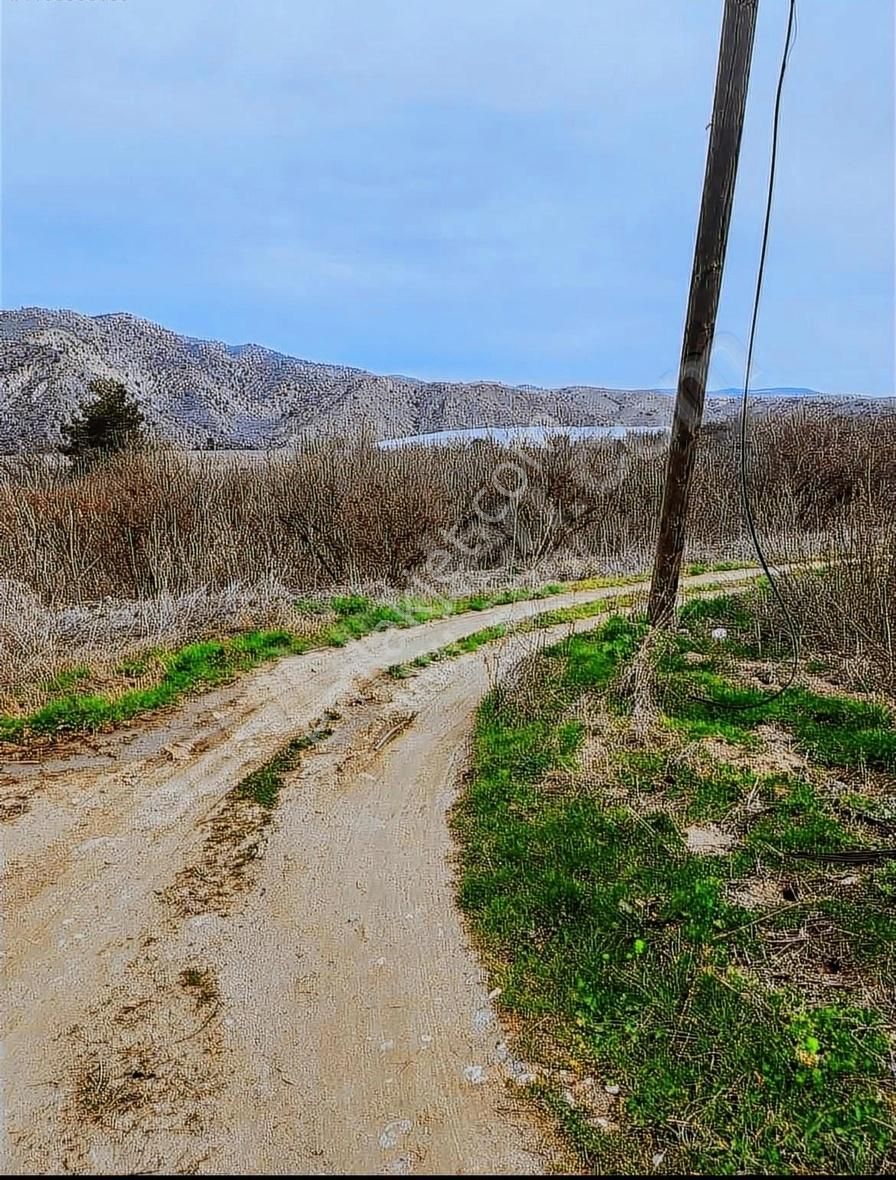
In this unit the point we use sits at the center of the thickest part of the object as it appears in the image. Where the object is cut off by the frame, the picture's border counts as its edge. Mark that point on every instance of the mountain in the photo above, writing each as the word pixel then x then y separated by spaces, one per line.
pixel 775 391
pixel 200 392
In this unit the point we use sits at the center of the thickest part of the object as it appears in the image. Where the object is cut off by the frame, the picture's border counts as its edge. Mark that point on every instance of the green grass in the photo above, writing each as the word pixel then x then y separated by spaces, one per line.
pixel 703 700
pixel 198 665
pixel 450 651
pixel 799 820
pixel 263 785
pixel 539 622
pixel 715 567
pixel 833 730
pixel 343 619
pixel 485 600
pixel 603 928
pixel 707 793
pixel 201 665
pixel 66 681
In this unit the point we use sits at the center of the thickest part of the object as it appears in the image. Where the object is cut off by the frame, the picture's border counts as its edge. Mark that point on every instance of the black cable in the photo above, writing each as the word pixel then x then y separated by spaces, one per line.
pixel 745 497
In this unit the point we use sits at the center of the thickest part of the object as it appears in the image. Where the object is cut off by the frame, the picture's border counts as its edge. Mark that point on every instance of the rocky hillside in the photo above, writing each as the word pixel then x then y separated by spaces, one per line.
pixel 202 393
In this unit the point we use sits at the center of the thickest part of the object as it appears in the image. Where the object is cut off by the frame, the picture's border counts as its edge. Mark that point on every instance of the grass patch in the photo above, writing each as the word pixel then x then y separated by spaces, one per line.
pixel 263 786
pixel 66 681
pixel 640 957
pixel 714 567
pixel 331 623
pixel 236 833
pixel 198 665
pixel 539 622
pixel 832 730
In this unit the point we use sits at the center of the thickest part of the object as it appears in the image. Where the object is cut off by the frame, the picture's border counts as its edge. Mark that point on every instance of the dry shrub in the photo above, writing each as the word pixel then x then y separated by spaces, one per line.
pixel 28 636
pixel 38 643
pixel 524 690
pixel 156 544
pixel 343 513
pixel 845 613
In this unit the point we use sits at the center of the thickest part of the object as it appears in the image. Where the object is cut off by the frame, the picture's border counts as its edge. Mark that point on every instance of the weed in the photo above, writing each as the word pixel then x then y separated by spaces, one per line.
pixel 605 928
pixel 203 985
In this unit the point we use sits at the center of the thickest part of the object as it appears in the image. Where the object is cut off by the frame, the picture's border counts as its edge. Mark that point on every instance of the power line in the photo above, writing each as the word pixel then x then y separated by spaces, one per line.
pixel 744 440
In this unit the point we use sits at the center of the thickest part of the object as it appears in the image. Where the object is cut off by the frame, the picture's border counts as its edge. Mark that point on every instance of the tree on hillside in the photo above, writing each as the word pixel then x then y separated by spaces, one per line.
pixel 110 422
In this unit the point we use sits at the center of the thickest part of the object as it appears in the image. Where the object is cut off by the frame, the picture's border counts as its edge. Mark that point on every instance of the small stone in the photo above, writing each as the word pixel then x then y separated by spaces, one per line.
pixel 612 1089
pixel 393 1131
pixel 482 1018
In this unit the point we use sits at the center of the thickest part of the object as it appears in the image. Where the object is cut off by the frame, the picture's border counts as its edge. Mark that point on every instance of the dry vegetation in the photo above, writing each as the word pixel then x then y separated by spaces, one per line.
pixel 159 549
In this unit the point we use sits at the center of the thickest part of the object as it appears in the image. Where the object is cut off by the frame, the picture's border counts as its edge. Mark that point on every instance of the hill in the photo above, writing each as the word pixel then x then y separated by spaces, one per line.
pixel 202 393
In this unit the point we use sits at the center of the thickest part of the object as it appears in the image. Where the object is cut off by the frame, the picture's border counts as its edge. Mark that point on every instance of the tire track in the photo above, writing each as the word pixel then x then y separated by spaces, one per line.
pixel 352 1030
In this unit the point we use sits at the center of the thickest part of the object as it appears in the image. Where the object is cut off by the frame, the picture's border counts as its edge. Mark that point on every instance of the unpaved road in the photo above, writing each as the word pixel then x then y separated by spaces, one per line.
pixel 295 998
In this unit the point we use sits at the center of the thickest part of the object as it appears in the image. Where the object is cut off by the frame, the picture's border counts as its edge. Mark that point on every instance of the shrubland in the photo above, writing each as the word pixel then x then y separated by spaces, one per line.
pixel 157 548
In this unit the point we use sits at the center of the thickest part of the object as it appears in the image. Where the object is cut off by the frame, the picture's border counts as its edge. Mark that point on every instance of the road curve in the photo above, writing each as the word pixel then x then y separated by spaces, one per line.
pixel 321 1010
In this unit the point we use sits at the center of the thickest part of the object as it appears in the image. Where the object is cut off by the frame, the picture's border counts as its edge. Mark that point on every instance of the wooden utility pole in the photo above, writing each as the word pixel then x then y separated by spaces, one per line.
pixel 735 54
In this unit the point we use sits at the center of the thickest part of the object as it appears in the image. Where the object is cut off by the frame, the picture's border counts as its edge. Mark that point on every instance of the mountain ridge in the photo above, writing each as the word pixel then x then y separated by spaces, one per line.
pixel 201 393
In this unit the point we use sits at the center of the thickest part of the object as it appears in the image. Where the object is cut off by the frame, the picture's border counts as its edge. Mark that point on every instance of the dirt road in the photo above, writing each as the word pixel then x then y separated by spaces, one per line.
pixel 192 989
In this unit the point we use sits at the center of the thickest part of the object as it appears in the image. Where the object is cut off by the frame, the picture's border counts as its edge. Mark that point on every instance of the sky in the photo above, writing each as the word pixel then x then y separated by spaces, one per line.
pixel 502 189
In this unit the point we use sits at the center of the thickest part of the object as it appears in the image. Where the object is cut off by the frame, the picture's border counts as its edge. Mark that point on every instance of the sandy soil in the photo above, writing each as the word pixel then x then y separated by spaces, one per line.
pixel 324 1012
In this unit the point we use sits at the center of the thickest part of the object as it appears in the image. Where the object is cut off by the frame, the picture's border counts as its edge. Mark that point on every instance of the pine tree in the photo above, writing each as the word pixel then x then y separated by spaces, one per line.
pixel 111 422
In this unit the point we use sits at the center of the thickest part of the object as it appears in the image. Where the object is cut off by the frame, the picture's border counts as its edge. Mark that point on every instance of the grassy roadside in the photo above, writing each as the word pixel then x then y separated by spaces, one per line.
pixel 75 702
pixel 716 1001
pixel 540 622
pixel 162 678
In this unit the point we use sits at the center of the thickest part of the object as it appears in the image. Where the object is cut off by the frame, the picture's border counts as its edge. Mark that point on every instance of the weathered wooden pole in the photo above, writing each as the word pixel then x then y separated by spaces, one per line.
pixel 732 78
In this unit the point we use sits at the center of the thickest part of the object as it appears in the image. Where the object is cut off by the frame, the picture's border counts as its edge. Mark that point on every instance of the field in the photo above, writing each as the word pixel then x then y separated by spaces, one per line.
pixel 349 786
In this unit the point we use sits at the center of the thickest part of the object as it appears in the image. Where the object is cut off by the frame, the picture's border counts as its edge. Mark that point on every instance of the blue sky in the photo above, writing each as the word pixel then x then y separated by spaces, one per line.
pixel 483 188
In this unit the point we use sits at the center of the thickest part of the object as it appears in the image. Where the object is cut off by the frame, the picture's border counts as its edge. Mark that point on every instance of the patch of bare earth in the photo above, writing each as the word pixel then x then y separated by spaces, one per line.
pixel 708 840
pixel 774 752
pixel 143 1069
